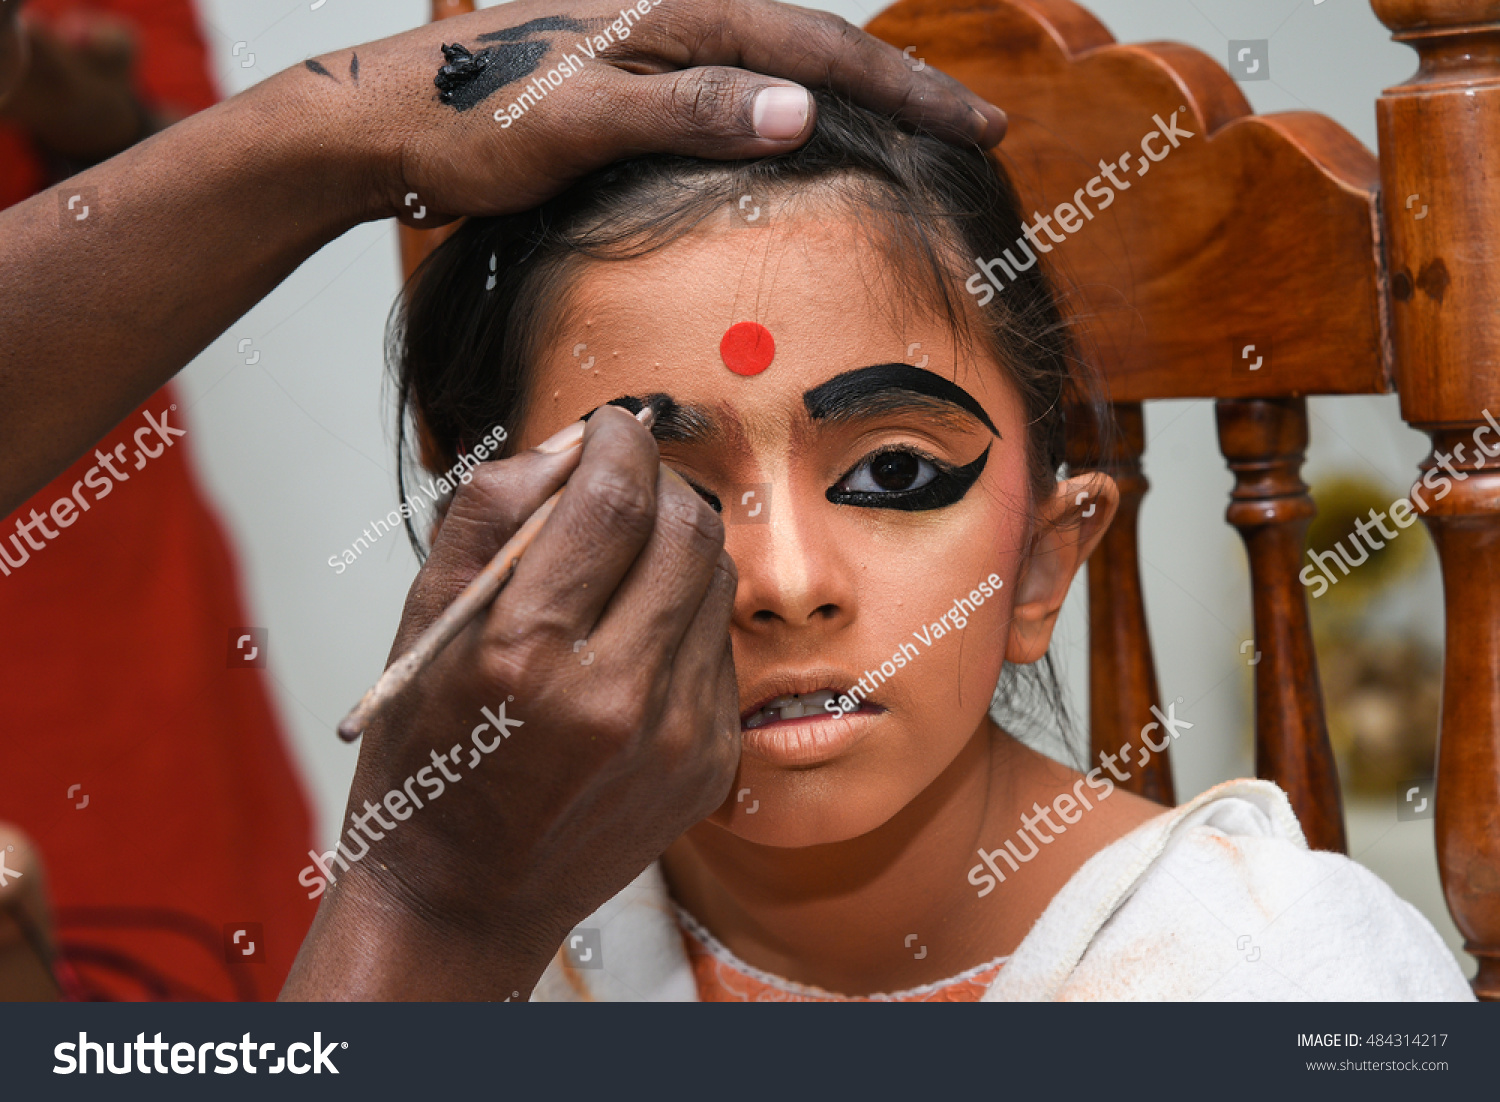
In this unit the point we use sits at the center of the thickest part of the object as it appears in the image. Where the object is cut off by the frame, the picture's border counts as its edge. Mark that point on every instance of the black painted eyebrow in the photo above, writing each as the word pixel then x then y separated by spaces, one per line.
pixel 675 423
pixel 867 391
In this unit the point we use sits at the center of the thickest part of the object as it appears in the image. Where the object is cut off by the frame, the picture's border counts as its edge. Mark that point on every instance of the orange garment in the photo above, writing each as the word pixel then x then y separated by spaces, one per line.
pixel 116 688
pixel 721 977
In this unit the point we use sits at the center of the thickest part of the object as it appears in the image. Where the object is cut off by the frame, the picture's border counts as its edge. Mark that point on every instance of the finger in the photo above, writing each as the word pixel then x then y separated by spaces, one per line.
pixel 819 49
pixel 593 537
pixel 705 662
pixel 24 861
pixel 654 605
pixel 487 511
pixel 705 656
pixel 711 111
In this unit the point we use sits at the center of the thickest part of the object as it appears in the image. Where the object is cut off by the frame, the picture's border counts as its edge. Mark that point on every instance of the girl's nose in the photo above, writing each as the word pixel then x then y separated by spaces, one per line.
pixel 793 573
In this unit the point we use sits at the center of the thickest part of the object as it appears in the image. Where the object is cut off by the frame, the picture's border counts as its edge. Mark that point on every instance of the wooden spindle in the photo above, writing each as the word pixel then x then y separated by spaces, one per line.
pixel 1122 672
pixel 1265 441
pixel 1465 526
pixel 1441 212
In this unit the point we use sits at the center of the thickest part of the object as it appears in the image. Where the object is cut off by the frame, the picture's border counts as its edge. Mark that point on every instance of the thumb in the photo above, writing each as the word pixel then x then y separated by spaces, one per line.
pixel 713 111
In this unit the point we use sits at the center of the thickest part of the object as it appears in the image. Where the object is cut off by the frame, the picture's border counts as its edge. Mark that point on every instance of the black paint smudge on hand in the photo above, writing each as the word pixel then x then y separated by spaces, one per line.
pixel 354 68
pixel 315 67
pixel 532 26
pixel 467 79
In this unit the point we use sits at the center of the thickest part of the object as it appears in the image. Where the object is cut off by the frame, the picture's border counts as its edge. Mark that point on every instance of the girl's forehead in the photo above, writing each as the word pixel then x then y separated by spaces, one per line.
pixel 735 314
pixel 791 270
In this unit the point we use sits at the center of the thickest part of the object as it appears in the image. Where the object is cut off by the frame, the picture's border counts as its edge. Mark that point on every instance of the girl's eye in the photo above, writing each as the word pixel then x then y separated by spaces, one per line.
pixel 902 479
pixel 890 472
pixel 707 495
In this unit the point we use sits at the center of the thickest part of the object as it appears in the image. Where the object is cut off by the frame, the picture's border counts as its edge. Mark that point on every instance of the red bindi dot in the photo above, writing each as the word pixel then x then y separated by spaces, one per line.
pixel 747 348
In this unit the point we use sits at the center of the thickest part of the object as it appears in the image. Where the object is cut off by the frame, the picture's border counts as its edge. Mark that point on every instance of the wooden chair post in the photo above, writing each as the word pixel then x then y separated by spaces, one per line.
pixel 1265 441
pixel 1438 135
pixel 1122 671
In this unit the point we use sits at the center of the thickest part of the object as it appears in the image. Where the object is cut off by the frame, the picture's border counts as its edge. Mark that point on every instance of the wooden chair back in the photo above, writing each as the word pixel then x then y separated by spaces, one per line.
pixel 1256 263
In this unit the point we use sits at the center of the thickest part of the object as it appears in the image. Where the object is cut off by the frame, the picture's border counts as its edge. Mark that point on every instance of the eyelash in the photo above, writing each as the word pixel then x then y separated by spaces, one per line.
pixel 947 486
pixel 707 495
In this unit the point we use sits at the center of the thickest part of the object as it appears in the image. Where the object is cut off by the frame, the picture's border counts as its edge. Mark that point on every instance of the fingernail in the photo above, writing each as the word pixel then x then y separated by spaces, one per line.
pixel 563 440
pixel 989 131
pixel 780 112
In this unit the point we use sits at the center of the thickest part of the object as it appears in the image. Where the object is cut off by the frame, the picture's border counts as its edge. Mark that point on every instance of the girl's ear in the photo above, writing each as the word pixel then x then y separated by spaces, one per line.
pixel 1069 526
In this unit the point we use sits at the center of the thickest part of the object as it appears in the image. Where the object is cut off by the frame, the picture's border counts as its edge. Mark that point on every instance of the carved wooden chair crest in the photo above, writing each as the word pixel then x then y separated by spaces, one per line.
pixel 1352 296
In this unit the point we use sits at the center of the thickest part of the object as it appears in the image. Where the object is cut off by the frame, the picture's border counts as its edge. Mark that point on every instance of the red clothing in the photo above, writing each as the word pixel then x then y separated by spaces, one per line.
pixel 115 687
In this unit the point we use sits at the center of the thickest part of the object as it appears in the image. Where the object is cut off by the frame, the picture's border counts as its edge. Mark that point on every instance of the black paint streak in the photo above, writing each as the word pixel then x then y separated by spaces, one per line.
pixel 354 68
pixel 532 26
pixel 467 80
pixel 315 67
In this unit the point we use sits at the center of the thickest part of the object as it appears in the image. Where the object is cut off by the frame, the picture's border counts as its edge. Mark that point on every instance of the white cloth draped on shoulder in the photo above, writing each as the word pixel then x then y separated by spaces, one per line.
pixel 1219 899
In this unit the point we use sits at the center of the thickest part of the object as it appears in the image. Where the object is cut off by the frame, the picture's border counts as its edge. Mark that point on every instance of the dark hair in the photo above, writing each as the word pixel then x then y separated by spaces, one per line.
pixel 494 294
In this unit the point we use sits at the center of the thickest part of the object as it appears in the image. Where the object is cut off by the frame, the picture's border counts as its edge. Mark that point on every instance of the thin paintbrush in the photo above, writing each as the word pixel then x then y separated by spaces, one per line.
pixel 475 598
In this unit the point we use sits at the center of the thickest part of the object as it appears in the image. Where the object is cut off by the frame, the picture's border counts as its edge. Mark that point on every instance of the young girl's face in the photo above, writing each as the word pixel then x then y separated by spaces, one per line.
pixel 874 473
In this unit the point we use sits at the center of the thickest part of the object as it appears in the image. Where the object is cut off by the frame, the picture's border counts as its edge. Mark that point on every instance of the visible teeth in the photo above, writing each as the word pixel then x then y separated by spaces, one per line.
pixel 795 706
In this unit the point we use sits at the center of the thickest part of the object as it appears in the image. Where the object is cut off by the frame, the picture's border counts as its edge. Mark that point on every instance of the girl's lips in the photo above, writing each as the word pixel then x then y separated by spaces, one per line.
pixel 790 706
pixel 810 739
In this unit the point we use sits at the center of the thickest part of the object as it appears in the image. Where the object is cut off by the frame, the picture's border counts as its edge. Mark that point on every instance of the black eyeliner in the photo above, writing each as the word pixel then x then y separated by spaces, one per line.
pixel 707 495
pixel 948 487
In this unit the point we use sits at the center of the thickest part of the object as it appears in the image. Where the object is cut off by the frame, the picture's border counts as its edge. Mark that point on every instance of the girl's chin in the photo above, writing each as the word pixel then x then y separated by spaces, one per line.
pixel 824 797
pixel 804 820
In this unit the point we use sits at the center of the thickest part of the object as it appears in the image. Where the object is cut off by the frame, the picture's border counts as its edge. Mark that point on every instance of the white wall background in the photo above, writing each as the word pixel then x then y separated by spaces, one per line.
pixel 297 448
